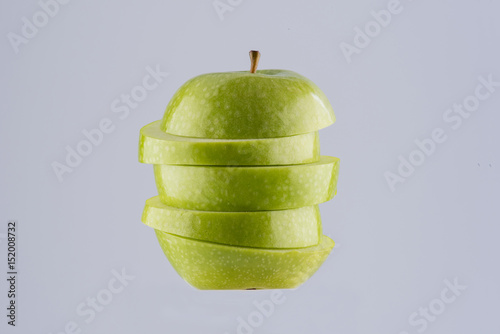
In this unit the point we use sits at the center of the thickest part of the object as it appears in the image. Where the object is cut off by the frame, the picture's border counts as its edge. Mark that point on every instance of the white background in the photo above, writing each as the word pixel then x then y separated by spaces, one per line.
pixel 396 248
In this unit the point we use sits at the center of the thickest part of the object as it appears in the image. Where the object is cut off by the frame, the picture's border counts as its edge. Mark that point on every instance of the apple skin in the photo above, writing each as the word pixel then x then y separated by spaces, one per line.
pixel 294 228
pixel 243 105
pixel 209 266
pixel 254 188
pixel 158 147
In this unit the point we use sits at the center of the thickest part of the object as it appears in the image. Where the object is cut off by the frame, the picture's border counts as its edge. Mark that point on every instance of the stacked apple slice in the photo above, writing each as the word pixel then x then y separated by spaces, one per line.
pixel 239 176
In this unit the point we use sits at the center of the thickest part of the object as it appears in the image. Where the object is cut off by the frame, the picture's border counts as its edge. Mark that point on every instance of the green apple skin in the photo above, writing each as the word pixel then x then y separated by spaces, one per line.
pixel 294 228
pixel 243 105
pixel 257 188
pixel 209 266
pixel 158 147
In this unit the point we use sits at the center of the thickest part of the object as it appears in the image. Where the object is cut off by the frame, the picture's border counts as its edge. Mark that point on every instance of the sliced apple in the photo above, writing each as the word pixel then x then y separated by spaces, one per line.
pixel 264 104
pixel 213 188
pixel 263 229
pixel 210 266
pixel 158 147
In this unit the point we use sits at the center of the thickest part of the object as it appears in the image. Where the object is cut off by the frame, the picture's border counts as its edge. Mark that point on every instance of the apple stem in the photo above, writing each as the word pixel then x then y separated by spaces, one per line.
pixel 254 59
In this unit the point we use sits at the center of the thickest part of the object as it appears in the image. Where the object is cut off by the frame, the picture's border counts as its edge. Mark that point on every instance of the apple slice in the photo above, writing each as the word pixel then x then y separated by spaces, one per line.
pixel 158 147
pixel 210 266
pixel 216 188
pixel 235 105
pixel 262 229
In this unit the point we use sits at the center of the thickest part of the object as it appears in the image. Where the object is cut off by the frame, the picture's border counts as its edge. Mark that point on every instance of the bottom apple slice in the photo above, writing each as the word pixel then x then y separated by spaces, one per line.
pixel 209 266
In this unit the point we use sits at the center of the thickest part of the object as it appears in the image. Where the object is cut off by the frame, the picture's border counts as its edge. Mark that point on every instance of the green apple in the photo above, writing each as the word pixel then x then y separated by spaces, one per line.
pixel 239 177
pixel 236 105
pixel 158 147
pixel 206 265
pixel 256 188
pixel 262 229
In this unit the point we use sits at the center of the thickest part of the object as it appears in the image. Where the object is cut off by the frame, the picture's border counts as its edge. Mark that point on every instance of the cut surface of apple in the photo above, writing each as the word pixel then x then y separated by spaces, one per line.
pixel 158 147
pixel 213 188
pixel 235 105
pixel 212 266
pixel 294 228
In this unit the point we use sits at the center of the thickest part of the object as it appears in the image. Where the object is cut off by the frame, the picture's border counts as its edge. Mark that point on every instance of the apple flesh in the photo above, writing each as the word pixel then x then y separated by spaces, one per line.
pixel 294 228
pixel 158 147
pixel 237 105
pixel 256 188
pixel 206 265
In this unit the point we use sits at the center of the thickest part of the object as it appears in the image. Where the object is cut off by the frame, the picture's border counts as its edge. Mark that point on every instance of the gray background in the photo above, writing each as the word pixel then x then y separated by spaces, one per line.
pixel 395 248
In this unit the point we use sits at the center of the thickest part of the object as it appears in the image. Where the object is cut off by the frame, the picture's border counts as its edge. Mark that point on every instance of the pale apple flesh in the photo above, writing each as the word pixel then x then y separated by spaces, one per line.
pixel 236 105
pixel 210 266
pixel 158 147
pixel 294 228
pixel 247 188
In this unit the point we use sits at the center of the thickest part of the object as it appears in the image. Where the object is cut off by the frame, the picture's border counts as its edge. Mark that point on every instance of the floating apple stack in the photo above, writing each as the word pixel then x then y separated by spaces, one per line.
pixel 239 176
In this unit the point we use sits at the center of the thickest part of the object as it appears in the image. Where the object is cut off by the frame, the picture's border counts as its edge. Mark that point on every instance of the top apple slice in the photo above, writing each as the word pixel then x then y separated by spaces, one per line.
pixel 244 105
